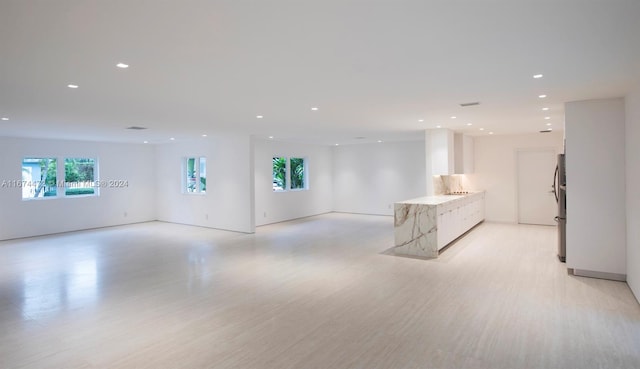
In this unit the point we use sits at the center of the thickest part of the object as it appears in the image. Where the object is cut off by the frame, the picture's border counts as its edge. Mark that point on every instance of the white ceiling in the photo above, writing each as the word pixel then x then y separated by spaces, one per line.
pixel 373 68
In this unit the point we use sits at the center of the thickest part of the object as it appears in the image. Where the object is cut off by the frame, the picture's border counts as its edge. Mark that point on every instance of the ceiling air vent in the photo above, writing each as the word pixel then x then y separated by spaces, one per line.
pixel 136 128
pixel 464 105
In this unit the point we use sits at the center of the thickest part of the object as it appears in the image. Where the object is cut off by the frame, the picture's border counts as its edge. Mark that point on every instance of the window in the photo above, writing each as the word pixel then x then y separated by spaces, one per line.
pixel 195 175
pixel 79 176
pixel 294 169
pixel 298 173
pixel 279 174
pixel 39 177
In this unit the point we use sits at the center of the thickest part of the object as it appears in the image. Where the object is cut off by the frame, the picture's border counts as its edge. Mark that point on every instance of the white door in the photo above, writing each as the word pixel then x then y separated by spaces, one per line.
pixel 536 201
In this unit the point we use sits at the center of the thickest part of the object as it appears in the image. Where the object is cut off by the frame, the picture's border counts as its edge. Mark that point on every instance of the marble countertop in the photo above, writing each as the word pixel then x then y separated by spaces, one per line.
pixel 436 200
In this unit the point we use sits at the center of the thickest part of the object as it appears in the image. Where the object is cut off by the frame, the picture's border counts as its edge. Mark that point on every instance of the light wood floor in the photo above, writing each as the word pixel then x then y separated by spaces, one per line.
pixel 312 293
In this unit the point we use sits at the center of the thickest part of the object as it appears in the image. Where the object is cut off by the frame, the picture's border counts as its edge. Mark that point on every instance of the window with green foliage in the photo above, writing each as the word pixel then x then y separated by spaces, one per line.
pixel 195 175
pixel 298 173
pixel 79 176
pixel 39 177
pixel 294 169
pixel 279 174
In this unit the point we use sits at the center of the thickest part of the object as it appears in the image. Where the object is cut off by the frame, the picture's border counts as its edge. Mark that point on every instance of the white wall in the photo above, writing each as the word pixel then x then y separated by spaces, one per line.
pixel 496 170
pixel 369 178
pixel 279 206
pixel 595 163
pixel 228 203
pixel 632 134
pixel 133 163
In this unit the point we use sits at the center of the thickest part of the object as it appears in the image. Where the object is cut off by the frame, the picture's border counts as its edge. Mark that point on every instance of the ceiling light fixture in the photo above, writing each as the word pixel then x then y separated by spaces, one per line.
pixel 314 108
pixel 172 139
pixel 482 129
pixel 490 133
pixel 259 116
pixel 271 137
pixel 469 124
pixel 536 76
pixel 204 135
pixel 145 142
pixel 122 65
pixel 72 86
pixel 5 118
pixel 438 126
pixel 453 117
pixel 545 109
pixel 548 124
pixel 542 96
pixel 379 141
pixel 337 144
pixel 547 118
pixel 420 120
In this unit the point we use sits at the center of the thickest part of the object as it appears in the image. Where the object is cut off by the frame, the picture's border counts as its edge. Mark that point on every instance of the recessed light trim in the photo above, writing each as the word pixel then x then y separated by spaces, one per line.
pixel 122 65
pixel 315 108
pixel 204 135
pixel 469 124
pixel 536 76
pixel 453 117
pixel 271 137
pixel 438 126
pixel 379 141
pixel 542 96
pixel 5 118
pixel 545 109
pixel 420 120
pixel 482 129
pixel 490 133
pixel 259 116
pixel 172 139
pixel 548 124
pixel 145 142
pixel 72 86
pixel 547 118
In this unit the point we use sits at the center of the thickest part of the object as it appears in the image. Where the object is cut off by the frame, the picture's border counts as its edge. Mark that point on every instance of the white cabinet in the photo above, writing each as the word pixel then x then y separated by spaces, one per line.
pixel 456 217
pixel 463 154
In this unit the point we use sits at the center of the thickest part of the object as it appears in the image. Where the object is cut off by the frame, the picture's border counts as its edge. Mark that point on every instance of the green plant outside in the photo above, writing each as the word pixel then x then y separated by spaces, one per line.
pixel 279 173
pixel 297 173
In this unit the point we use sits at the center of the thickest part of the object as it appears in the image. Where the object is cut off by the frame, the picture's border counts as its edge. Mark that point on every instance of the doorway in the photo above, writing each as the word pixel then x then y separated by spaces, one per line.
pixel 536 201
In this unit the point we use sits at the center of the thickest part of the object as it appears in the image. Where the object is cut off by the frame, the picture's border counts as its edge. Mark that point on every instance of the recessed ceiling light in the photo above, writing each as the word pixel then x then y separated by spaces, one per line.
pixel 438 126
pixel 379 141
pixel 337 144
pixel 259 116
pixel 537 76
pixel 482 129
pixel 72 86
pixel 547 118
pixel 542 96
pixel 469 124
pixel 5 118
pixel 172 139
pixel 204 135
pixel 122 65
pixel 314 108
pixel 145 142
pixel 490 133
pixel 545 109
pixel 271 137
pixel 420 120
pixel 548 124
pixel 453 117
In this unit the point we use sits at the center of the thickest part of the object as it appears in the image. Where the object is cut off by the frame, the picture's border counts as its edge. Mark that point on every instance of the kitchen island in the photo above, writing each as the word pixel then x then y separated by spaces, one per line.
pixel 424 226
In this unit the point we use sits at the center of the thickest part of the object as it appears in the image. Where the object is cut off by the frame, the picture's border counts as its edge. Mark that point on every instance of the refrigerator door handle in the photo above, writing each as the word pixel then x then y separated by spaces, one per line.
pixel 555 183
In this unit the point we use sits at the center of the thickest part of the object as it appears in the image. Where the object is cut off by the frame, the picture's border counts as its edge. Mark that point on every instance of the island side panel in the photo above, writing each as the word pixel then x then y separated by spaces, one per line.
pixel 415 230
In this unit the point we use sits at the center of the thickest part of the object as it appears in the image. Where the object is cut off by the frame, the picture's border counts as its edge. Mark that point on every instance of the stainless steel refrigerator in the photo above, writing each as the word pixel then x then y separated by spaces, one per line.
pixel 560 191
